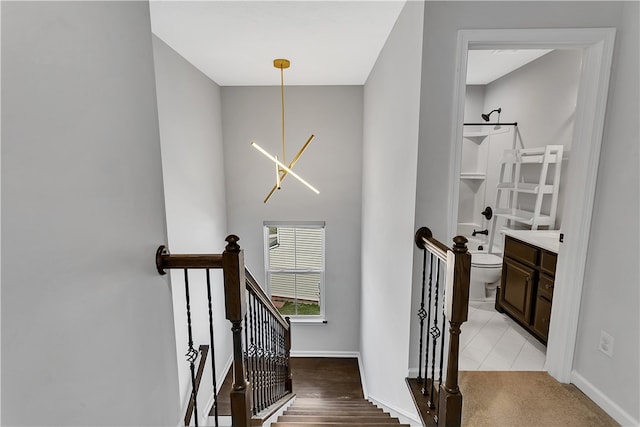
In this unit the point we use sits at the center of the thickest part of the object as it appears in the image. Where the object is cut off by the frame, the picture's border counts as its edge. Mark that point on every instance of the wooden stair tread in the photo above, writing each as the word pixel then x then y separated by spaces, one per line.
pixel 326 412
pixel 336 418
pixel 333 409
pixel 286 424
pixel 322 412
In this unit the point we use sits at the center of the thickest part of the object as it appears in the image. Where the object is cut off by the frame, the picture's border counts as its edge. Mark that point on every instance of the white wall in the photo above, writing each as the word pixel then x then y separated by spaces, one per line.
pixel 391 100
pixel 332 163
pixel 614 229
pixel 189 112
pixel 87 325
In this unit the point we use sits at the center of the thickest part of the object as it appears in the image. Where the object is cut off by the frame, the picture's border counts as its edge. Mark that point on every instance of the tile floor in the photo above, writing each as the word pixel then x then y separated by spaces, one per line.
pixel 491 341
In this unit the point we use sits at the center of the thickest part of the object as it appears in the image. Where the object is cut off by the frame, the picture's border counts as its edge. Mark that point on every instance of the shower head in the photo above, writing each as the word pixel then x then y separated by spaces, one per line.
pixel 485 117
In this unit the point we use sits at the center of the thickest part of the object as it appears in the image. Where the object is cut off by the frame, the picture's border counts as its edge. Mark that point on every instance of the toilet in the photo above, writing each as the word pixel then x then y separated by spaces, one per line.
pixel 486 270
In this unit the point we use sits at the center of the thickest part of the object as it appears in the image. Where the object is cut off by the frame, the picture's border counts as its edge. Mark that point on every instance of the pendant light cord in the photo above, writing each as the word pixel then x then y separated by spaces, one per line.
pixel 284 159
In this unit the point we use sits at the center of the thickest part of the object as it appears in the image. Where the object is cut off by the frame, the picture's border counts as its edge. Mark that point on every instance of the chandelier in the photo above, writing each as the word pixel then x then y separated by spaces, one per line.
pixel 282 170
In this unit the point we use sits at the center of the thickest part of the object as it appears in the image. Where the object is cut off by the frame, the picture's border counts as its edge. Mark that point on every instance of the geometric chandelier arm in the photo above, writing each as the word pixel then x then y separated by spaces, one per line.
pixel 284 167
pixel 284 172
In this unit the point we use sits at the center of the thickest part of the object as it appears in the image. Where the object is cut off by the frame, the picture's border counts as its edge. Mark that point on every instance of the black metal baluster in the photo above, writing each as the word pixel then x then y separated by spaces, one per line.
pixel 442 337
pixel 272 382
pixel 426 353
pixel 422 314
pixel 265 324
pixel 213 351
pixel 260 359
pixel 435 334
pixel 280 357
pixel 192 354
pixel 252 352
pixel 265 354
pixel 246 361
pixel 269 357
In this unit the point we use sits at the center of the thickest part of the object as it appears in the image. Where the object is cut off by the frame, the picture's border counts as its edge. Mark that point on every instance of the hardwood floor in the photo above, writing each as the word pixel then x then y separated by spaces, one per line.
pixel 326 377
pixel 312 377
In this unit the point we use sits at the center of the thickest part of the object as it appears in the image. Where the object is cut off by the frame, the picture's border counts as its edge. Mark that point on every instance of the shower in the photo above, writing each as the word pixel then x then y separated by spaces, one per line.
pixel 486 117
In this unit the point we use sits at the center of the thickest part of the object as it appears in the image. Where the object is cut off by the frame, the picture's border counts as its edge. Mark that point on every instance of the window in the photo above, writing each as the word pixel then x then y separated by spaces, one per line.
pixel 295 268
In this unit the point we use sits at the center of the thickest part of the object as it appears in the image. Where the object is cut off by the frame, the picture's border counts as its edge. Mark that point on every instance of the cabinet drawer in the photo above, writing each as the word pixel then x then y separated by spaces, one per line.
pixel 548 262
pixel 545 287
pixel 521 251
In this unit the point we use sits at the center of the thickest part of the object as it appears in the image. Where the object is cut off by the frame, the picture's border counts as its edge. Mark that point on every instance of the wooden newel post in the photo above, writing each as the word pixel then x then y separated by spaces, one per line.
pixel 450 402
pixel 236 308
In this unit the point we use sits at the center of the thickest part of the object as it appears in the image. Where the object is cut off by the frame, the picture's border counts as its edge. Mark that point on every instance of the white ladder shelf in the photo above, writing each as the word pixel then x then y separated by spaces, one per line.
pixel 511 183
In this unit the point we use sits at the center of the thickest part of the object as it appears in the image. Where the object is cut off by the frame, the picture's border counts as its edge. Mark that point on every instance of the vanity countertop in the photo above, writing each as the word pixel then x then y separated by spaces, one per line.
pixel 545 239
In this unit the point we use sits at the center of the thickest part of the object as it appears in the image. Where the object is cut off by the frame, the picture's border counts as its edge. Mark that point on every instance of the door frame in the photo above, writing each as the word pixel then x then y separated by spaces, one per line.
pixel 597 47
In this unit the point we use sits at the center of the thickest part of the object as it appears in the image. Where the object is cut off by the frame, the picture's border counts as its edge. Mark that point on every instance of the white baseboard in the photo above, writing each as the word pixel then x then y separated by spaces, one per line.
pixel 363 382
pixel 609 406
pixel 340 354
pixel 404 416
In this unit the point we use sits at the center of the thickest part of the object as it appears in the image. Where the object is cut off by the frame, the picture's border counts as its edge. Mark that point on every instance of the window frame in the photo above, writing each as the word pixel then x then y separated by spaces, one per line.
pixel 297 318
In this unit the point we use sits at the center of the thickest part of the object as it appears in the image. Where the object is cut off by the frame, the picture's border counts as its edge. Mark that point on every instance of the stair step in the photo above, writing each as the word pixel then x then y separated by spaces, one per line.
pixel 319 424
pixel 338 404
pixel 319 412
pixel 338 419
pixel 332 400
pixel 334 411
pixel 335 408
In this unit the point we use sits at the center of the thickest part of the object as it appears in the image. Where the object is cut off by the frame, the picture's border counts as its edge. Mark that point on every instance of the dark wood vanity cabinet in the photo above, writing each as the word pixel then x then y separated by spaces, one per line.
pixel 526 287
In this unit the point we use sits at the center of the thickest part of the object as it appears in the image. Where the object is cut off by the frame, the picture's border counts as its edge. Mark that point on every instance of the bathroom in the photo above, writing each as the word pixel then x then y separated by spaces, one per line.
pixel 528 107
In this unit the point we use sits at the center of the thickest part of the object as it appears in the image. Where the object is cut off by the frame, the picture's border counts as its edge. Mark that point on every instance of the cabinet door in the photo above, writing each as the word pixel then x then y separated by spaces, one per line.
pixel 542 317
pixel 517 290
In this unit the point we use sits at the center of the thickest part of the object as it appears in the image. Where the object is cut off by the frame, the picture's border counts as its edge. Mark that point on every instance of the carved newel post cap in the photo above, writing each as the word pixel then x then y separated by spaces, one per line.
pixel 232 241
pixel 460 244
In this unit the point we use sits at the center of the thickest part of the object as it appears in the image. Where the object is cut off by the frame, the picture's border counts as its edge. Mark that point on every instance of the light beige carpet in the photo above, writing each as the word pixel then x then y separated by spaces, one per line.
pixel 525 399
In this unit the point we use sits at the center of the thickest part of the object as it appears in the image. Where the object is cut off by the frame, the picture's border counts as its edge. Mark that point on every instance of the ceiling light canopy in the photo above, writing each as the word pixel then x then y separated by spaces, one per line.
pixel 282 170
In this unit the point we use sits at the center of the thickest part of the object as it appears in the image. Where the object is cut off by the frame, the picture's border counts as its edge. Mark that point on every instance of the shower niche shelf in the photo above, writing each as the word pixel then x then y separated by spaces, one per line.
pixel 476 136
pixel 473 175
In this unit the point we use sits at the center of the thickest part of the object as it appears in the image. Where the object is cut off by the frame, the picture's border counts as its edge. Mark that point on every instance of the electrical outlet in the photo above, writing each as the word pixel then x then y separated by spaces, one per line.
pixel 606 344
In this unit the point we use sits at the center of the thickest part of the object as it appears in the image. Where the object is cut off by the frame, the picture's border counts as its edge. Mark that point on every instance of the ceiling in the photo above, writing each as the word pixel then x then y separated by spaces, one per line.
pixel 235 42
pixel 485 66
pixel 329 42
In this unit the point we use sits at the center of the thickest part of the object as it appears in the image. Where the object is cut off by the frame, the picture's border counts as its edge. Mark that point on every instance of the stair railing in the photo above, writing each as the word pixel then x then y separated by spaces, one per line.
pixel 444 297
pixel 261 336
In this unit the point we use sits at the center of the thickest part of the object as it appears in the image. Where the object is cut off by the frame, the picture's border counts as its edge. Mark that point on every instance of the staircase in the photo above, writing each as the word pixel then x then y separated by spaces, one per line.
pixel 323 412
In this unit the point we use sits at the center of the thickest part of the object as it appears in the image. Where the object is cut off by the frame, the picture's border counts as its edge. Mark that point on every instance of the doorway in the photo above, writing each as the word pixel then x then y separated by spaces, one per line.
pixel 597 49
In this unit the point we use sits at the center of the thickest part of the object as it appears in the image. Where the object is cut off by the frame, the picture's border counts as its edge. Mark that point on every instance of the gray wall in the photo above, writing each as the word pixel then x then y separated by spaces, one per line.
pixel 541 97
pixel 332 163
pixel 614 228
pixel 189 112
pixel 389 177
pixel 87 326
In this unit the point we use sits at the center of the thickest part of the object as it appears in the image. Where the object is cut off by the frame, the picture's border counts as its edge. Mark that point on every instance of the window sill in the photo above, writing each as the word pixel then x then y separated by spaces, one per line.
pixel 304 321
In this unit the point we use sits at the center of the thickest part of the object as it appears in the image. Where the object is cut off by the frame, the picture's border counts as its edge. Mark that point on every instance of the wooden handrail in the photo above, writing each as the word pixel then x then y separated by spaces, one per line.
pixel 253 285
pixel 204 350
pixel 424 240
pixel 164 260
